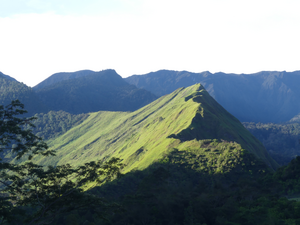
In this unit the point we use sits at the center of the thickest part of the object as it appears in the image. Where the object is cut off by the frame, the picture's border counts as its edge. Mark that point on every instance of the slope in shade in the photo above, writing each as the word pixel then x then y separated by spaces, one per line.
pixel 58 77
pixel 186 119
pixel 92 92
pixel 11 89
pixel 260 97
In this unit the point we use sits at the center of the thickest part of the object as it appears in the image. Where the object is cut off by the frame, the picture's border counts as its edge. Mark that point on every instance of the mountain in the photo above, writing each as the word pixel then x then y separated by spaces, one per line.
pixel 188 120
pixel 187 161
pixel 58 77
pixel 88 91
pixel 260 97
pixel 2 75
pixel 11 89
pixel 55 123
pixel 280 140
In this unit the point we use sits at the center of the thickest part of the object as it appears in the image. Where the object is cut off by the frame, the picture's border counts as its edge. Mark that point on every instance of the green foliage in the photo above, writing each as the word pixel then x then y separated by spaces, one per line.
pixel 142 137
pixel 14 138
pixel 31 194
pixel 175 191
pixel 11 89
pixel 280 140
pixel 289 177
pixel 52 124
pixel 218 157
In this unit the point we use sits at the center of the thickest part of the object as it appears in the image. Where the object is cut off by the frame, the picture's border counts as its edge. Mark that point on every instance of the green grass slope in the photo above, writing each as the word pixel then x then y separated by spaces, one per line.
pixel 188 119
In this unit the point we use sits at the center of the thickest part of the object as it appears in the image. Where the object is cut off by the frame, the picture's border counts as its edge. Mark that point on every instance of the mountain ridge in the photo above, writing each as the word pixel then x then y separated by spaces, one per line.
pixel 260 97
pixel 6 76
pixel 142 137
pixel 11 89
pixel 92 92
pixel 58 77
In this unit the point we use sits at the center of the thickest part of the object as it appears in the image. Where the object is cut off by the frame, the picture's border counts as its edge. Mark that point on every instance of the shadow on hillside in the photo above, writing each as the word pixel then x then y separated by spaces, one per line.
pixel 177 193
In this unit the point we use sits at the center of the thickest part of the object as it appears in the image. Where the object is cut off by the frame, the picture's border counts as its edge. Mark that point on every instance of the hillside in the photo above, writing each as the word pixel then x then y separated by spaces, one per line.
pixel 260 97
pixel 55 123
pixel 11 89
pixel 58 77
pixel 187 120
pixel 280 140
pixel 91 92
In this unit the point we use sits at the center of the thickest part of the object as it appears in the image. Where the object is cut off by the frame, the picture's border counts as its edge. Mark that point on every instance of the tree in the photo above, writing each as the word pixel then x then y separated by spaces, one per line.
pixel 32 194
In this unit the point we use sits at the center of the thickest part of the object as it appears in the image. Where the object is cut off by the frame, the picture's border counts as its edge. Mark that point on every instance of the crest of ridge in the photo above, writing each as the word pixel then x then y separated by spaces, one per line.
pixel 178 121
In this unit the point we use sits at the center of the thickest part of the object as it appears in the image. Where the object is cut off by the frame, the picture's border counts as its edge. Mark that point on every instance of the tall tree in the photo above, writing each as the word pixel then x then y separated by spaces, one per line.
pixel 32 194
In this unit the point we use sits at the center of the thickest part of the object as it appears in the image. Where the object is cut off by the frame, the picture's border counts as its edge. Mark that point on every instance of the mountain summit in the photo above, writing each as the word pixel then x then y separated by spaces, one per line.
pixel 58 77
pixel 88 91
pixel 11 89
pixel 187 120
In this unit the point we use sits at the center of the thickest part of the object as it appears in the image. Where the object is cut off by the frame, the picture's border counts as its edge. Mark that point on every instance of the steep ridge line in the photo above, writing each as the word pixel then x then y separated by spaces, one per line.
pixel 112 134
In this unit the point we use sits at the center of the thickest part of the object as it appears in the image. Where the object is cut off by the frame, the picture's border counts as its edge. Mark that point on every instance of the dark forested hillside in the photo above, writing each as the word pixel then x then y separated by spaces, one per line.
pixel 260 97
pixel 10 89
pixel 57 77
pixel 104 90
pixel 55 123
pixel 282 141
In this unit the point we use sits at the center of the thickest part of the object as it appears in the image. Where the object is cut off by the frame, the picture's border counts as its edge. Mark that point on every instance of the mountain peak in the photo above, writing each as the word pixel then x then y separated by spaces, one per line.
pixel 62 76
pixel 185 119
pixel 6 76
pixel 89 91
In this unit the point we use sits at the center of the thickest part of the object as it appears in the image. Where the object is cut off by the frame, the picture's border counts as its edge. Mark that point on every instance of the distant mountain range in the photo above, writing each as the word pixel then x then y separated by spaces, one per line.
pixel 76 93
pixel 58 77
pixel 88 91
pixel 260 97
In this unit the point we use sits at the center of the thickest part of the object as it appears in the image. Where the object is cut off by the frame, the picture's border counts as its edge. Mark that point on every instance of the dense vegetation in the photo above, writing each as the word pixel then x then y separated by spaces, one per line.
pixel 55 123
pixel 280 140
pixel 260 97
pixel 10 90
pixel 178 190
pixel 33 194
pixel 187 161
pixel 179 120
pixel 104 90
pixel 58 77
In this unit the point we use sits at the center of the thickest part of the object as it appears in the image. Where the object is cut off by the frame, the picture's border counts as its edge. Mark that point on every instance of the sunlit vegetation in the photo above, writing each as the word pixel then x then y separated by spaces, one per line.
pixel 181 159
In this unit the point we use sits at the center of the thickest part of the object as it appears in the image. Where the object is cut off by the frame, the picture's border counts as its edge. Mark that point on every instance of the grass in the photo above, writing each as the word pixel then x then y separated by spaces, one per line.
pixel 181 120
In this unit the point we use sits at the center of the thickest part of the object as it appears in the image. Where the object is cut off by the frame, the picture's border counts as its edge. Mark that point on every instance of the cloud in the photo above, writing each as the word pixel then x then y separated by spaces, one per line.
pixel 217 35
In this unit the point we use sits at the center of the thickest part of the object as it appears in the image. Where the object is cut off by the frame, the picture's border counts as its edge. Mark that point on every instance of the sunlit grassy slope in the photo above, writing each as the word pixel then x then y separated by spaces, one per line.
pixel 180 120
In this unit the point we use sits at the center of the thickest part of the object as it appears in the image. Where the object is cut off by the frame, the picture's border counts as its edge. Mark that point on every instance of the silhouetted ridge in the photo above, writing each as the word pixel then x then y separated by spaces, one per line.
pixel 58 77
pixel 11 89
pixel 92 92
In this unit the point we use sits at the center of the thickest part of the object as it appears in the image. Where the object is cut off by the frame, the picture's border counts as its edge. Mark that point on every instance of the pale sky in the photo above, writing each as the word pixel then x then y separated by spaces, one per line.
pixel 41 37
